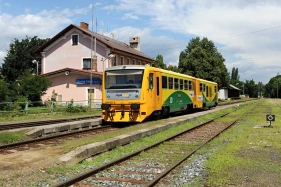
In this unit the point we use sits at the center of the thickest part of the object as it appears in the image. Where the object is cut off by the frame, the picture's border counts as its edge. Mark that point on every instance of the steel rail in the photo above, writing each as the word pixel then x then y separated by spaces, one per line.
pixel 52 137
pixel 168 170
pixel 14 125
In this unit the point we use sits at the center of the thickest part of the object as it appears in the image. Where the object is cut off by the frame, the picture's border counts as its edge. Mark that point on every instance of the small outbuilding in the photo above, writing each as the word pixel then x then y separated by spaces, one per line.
pixel 230 92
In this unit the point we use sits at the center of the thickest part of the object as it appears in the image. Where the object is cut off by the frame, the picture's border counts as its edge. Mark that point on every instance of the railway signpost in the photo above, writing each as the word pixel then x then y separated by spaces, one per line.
pixel 270 118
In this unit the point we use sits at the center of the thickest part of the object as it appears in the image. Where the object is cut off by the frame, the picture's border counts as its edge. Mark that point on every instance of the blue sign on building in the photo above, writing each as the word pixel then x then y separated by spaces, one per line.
pixel 87 81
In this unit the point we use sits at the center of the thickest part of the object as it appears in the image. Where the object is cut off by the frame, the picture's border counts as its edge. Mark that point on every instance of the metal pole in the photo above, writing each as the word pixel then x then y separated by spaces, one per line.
pixel 37 66
pixel 277 90
pixel 91 58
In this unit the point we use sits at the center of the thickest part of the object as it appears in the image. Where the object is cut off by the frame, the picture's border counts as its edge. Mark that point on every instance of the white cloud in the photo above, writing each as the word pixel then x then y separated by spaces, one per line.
pixel 44 24
pixel 232 25
pixel 151 45
pixel 130 16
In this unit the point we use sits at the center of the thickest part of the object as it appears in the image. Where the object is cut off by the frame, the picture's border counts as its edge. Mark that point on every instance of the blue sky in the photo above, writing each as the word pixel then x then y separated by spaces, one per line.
pixel 246 33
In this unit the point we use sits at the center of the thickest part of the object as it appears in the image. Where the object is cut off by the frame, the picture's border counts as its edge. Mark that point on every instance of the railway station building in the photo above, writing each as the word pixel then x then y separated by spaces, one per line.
pixel 66 61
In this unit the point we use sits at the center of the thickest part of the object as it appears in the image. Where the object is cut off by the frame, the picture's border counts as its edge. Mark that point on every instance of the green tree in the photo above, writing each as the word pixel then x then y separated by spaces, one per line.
pixel 234 78
pixel 159 62
pixel 4 90
pixel 20 56
pixel 201 59
pixel 273 87
pixel 251 88
pixel 32 86
pixel 173 68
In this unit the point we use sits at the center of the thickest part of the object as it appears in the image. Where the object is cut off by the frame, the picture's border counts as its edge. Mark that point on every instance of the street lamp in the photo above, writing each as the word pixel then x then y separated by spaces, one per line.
pixel 35 61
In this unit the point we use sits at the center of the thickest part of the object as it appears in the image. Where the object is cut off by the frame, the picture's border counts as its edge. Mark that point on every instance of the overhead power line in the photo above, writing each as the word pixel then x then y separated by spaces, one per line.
pixel 234 36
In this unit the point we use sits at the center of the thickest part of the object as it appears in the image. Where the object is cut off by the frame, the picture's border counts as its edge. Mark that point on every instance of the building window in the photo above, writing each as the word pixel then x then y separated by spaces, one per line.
pixel 138 62
pixel 134 62
pixel 121 60
pixel 86 63
pixel 75 39
pixel 128 61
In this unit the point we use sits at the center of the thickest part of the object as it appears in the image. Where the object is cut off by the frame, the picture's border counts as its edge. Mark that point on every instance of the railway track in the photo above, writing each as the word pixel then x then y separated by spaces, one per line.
pixel 17 125
pixel 147 166
pixel 24 145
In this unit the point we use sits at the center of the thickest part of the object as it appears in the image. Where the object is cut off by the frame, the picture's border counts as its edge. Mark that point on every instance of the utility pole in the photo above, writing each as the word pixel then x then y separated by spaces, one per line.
pixel 91 59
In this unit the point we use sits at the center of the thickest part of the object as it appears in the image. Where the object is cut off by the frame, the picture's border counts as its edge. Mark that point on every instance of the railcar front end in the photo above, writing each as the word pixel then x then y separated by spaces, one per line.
pixel 123 96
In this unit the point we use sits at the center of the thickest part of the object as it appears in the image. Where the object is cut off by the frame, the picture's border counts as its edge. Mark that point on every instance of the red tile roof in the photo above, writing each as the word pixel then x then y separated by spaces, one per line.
pixel 111 43
pixel 86 72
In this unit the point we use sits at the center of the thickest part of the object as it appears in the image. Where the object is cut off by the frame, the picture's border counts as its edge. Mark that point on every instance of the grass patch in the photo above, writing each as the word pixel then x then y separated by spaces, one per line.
pixel 40 116
pixel 244 155
pixel 11 137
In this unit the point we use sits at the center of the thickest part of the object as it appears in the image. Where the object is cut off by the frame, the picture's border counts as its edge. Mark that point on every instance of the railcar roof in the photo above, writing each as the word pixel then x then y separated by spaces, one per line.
pixel 126 67
pixel 203 80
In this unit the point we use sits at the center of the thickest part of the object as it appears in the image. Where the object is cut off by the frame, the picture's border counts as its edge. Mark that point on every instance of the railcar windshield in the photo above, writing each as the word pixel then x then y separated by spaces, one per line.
pixel 123 79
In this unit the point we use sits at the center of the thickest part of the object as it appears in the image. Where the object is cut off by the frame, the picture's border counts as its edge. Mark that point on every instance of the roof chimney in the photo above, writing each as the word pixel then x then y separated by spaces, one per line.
pixel 101 31
pixel 135 43
pixel 112 35
pixel 84 25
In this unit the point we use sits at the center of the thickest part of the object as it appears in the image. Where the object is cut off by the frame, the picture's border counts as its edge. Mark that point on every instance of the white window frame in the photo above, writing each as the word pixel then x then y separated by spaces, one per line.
pixel 72 39
pixel 121 60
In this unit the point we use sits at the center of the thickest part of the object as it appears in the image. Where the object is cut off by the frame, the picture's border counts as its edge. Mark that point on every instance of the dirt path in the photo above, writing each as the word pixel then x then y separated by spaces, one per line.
pixel 22 168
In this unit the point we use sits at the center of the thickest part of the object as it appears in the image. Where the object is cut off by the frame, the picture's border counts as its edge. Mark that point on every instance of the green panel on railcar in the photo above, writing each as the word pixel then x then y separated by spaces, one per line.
pixel 177 101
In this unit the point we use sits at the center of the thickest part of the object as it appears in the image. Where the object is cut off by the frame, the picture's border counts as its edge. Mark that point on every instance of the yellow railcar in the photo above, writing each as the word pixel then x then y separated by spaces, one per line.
pixel 132 93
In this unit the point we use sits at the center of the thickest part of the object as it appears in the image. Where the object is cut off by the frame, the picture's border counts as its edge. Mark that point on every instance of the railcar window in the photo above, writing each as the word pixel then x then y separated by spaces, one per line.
pixel 181 84
pixel 157 85
pixel 171 83
pixel 215 88
pixel 164 82
pixel 176 84
pixel 185 85
pixel 201 87
pixel 204 87
pixel 190 85
pixel 150 80
pixel 207 91
pixel 123 79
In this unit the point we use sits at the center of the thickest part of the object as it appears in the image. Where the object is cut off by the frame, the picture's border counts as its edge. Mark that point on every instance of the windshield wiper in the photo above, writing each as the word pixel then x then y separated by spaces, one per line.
pixel 123 86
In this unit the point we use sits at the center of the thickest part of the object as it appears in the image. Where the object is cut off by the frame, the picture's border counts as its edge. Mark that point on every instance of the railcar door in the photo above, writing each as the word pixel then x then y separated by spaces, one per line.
pixel 158 90
pixel 152 91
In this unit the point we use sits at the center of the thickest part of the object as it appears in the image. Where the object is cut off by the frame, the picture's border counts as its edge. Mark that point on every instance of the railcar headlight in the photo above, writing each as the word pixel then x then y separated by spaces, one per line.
pixel 136 96
pixel 108 97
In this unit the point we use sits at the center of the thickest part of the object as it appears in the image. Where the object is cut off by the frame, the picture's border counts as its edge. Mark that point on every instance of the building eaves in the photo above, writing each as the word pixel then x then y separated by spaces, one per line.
pixel 72 70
